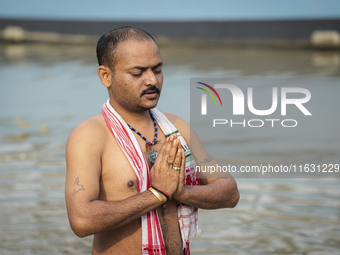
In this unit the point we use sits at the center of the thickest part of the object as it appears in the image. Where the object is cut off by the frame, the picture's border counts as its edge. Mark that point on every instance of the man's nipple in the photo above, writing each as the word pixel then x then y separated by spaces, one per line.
pixel 131 184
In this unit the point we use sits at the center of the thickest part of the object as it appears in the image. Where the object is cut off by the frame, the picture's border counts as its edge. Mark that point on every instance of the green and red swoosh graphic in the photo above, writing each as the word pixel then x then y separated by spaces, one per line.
pixel 209 93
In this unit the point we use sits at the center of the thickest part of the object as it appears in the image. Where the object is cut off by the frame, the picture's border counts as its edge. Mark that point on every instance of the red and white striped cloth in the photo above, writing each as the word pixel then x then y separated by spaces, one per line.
pixel 152 238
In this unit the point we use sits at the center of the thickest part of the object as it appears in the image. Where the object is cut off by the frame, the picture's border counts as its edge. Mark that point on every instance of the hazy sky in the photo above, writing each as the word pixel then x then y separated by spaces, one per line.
pixel 170 10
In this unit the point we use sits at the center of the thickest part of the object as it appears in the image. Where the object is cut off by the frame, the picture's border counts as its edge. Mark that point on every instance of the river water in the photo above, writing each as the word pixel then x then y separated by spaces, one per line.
pixel 46 90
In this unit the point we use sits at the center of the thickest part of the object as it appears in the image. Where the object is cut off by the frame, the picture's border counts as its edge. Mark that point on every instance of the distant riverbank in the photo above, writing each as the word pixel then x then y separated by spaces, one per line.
pixel 277 33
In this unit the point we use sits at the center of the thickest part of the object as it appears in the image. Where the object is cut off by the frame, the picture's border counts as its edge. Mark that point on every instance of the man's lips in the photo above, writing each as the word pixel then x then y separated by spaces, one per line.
pixel 150 92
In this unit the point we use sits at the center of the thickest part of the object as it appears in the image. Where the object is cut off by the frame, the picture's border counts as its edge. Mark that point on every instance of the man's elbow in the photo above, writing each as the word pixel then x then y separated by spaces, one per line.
pixel 234 196
pixel 80 226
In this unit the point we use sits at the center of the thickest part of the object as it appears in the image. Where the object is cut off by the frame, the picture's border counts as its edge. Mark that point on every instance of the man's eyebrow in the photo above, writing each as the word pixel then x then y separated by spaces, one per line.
pixel 144 68
pixel 158 65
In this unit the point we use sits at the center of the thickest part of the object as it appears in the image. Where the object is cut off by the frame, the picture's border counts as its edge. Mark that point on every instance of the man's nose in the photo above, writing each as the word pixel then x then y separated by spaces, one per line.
pixel 151 78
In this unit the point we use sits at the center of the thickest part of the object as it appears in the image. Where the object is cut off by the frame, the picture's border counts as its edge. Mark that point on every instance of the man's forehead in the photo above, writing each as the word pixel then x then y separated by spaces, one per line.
pixel 139 52
pixel 133 46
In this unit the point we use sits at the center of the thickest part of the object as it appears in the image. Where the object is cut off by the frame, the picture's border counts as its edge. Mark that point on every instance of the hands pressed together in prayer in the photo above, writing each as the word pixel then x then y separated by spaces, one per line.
pixel 169 169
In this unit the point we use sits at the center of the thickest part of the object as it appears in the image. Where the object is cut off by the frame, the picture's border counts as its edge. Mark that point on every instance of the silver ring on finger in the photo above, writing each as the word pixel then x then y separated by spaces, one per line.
pixel 176 168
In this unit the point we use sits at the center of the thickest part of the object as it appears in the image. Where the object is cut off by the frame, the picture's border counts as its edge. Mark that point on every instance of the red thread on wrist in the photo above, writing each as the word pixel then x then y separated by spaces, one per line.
pixel 168 197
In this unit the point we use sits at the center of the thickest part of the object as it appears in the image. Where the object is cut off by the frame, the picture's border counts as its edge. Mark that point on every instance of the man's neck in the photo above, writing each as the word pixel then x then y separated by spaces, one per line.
pixel 137 118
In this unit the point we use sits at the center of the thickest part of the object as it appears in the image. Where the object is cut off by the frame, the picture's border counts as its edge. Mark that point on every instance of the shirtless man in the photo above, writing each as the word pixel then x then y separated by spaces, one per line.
pixel 101 191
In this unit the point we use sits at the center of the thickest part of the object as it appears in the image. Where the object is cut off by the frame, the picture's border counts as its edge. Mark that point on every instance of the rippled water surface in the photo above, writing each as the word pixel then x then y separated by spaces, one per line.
pixel 46 90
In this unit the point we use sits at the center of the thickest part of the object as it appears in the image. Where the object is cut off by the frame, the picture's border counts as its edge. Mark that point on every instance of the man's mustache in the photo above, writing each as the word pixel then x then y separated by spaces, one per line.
pixel 152 89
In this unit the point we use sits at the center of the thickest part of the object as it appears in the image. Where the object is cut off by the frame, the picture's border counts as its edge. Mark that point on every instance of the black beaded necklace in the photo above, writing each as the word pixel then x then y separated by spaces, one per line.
pixel 153 154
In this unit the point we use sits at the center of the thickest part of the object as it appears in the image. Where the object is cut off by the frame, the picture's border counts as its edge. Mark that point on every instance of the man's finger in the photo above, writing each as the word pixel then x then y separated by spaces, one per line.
pixel 166 150
pixel 178 159
pixel 182 173
pixel 173 151
pixel 161 151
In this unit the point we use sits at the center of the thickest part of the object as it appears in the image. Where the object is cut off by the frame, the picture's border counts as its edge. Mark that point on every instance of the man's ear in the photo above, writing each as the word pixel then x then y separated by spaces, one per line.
pixel 105 75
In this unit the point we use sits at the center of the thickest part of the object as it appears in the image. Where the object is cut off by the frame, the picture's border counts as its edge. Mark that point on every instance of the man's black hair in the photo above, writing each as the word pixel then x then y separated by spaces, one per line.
pixel 107 43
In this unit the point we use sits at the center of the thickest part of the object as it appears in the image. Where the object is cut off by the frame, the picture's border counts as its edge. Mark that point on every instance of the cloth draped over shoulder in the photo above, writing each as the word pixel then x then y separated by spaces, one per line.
pixel 152 238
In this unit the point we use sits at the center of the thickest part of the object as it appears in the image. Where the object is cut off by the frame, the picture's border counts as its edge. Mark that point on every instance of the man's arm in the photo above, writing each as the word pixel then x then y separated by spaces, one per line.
pixel 87 214
pixel 213 193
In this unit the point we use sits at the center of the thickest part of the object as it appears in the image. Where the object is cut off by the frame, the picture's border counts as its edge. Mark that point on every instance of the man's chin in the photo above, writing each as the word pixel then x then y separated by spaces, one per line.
pixel 151 104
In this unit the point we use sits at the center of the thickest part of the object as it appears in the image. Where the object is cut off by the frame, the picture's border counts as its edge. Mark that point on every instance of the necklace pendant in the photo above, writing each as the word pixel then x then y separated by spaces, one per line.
pixel 153 156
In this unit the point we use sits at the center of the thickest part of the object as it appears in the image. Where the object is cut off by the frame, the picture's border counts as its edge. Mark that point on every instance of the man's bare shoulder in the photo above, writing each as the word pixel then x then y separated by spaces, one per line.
pixel 91 131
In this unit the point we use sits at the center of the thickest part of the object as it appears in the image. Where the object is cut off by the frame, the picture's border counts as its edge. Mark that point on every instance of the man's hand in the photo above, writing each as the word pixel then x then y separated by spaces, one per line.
pixel 163 173
pixel 179 190
pixel 212 193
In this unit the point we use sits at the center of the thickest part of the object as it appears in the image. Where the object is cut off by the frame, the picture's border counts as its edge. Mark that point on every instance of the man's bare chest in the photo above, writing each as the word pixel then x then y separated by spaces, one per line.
pixel 118 178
